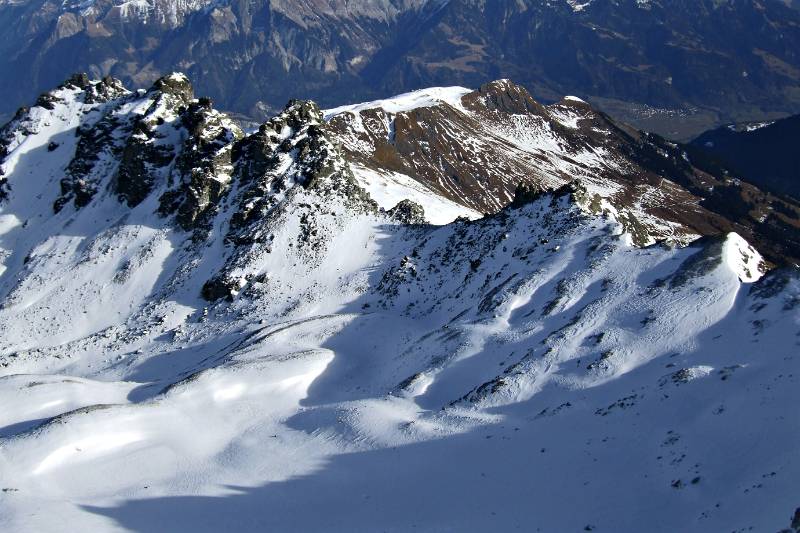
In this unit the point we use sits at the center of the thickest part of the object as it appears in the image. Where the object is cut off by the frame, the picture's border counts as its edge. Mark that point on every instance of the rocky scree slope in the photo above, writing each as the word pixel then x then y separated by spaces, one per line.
pixel 207 329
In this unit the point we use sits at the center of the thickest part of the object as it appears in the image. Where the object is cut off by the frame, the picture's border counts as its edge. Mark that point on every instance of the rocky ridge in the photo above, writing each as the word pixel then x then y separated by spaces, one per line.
pixel 475 147
pixel 470 148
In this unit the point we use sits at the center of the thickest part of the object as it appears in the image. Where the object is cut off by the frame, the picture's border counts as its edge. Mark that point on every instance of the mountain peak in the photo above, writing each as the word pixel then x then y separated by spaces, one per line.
pixel 176 84
pixel 507 97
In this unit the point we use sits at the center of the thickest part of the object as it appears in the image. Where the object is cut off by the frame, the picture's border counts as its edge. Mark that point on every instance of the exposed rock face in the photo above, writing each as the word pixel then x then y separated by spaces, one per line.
pixel 95 139
pixel 408 212
pixel 292 148
pixel 161 138
pixel 144 156
pixel 678 66
pixel 203 168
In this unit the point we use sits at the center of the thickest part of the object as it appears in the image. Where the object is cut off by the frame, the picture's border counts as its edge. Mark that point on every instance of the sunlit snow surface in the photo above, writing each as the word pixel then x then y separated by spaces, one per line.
pixel 408 101
pixel 389 188
pixel 528 371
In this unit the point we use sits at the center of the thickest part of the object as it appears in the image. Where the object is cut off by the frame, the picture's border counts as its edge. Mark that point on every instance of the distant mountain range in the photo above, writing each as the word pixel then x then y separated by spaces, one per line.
pixel 677 68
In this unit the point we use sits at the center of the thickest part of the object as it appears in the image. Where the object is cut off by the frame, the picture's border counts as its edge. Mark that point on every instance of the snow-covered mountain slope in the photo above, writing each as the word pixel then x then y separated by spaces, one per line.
pixel 389 188
pixel 475 147
pixel 205 330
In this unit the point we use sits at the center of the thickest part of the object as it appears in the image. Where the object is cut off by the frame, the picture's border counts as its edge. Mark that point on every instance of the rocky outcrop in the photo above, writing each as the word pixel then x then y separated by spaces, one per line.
pixel 294 186
pixel 144 157
pixel 162 138
pixel 203 168
pixel 407 212
pixel 95 140
pixel 506 97
pixel 294 147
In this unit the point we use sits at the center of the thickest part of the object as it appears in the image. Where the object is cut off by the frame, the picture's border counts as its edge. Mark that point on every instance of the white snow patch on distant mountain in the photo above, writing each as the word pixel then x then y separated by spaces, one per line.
pixel 408 101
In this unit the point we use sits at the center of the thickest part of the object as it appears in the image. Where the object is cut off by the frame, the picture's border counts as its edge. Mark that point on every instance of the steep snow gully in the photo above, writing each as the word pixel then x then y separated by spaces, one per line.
pixel 208 330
